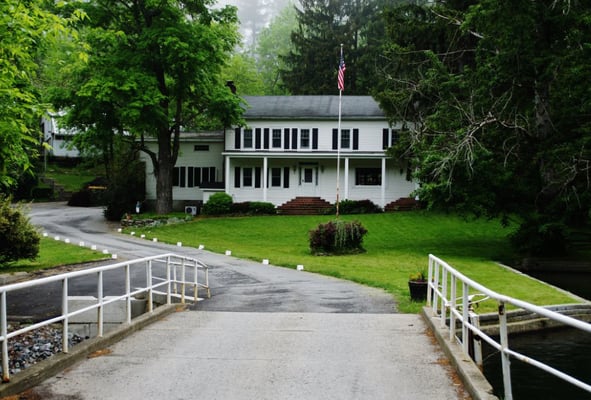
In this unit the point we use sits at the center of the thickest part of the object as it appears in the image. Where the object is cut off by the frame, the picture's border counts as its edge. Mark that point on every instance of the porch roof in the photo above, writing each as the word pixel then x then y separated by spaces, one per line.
pixel 312 107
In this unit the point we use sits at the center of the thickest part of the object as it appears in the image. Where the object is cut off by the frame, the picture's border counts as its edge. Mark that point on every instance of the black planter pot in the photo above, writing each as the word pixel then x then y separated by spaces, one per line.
pixel 418 290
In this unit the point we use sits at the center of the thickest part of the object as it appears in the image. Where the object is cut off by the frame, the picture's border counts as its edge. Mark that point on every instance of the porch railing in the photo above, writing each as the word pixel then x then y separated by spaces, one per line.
pixel 170 274
pixel 451 297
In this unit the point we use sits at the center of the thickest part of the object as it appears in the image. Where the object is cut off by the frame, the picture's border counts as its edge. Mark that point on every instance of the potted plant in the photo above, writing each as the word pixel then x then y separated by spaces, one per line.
pixel 417 285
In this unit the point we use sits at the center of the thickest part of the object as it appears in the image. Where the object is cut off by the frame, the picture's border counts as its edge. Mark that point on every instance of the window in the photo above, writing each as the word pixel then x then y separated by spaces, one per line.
pixel 248 138
pixel 368 176
pixel 394 137
pixel 201 147
pixel 247 177
pixel 276 177
pixel 276 142
pixel 305 139
pixel 345 139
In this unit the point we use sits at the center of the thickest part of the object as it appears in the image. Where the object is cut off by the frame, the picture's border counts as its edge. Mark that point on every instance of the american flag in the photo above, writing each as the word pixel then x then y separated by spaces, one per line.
pixel 342 72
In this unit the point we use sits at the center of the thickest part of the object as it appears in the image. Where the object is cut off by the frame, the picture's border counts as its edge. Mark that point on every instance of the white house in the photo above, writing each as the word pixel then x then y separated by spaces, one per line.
pixel 58 138
pixel 289 148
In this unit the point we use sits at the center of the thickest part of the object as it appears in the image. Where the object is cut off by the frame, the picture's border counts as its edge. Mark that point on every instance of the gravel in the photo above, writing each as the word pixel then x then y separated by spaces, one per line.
pixel 29 348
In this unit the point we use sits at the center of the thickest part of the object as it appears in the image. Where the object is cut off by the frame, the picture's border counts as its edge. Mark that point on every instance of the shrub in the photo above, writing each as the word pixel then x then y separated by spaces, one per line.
pixel 337 237
pixel 261 208
pixel 218 204
pixel 18 238
pixel 357 207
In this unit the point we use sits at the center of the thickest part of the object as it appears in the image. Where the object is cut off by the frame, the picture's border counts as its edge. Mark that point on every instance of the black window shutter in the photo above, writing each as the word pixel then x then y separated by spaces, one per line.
pixel 237 138
pixel 175 176
pixel 266 138
pixel 385 138
pixel 257 177
pixel 190 179
pixel 286 138
pixel 315 138
pixel 237 177
pixel 257 138
pixel 335 139
pixel 294 138
pixel 286 177
pixel 182 178
pixel 355 139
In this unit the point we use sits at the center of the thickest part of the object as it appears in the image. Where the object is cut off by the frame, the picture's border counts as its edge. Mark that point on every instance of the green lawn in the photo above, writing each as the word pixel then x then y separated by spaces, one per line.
pixel 72 178
pixel 397 245
pixel 54 253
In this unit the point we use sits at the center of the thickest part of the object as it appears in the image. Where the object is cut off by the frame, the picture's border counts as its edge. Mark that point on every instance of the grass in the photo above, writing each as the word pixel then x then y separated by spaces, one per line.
pixel 53 253
pixel 397 244
pixel 72 178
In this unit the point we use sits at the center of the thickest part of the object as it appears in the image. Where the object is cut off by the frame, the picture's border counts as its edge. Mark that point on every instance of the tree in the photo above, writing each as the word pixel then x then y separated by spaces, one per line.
pixel 323 25
pixel 497 121
pixel 272 46
pixel 26 29
pixel 152 69
pixel 242 72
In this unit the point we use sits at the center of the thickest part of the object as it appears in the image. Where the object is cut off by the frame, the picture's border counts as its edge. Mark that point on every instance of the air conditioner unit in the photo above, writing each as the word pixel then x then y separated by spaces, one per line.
pixel 191 210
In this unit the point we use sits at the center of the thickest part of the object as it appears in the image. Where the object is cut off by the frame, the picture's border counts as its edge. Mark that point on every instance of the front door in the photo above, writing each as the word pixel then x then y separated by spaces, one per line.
pixel 308 179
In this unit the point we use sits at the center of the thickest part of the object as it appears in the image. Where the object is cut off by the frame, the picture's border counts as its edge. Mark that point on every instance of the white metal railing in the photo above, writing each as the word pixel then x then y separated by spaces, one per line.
pixel 449 295
pixel 176 274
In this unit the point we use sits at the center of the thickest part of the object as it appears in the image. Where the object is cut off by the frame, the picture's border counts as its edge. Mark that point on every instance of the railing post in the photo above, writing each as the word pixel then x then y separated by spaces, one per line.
pixel 149 285
pixel 452 316
pixel 430 293
pixel 4 333
pixel 183 280
pixel 168 285
pixel 436 286
pixel 465 312
pixel 505 361
pixel 101 311
pixel 65 312
pixel 128 293
pixel 443 297
pixel 477 342
pixel 196 281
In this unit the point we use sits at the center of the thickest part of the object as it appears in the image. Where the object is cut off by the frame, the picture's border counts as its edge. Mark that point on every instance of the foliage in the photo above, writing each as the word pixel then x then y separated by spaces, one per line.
pixel 358 207
pixel 218 204
pixel 241 71
pixel 273 45
pixel 125 188
pixel 253 208
pixel 26 30
pixel 418 276
pixel 18 238
pixel 498 123
pixel 312 63
pixel 151 69
pixel 337 237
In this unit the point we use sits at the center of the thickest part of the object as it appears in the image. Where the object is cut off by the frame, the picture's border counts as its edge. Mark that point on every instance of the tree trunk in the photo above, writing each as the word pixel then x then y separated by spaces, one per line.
pixel 164 175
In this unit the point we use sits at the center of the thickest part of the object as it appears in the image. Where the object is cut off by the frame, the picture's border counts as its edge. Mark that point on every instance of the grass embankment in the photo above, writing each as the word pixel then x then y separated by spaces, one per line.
pixel 397 245
pixel 72 178
pixel 54 253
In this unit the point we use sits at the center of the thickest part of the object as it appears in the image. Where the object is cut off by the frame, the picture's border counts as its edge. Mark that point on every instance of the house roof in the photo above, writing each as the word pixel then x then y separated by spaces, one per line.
pixel 311 107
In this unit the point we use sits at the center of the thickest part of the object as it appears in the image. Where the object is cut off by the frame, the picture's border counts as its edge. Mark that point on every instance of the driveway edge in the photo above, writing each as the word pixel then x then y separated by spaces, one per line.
pixel 474 381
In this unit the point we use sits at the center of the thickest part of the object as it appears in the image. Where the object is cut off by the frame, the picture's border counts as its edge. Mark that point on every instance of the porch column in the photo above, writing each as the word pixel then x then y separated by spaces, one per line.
pixel 227 175
pixel 346 196
pixel 383 186
pixel 265 167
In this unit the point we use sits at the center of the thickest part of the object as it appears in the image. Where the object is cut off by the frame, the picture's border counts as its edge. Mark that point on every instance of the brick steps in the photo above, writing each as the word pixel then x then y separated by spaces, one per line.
pixel 403 204
pixel 305 206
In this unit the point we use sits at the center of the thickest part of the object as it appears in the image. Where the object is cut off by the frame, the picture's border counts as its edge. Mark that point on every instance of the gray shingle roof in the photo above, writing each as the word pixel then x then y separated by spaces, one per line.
pixel 311 107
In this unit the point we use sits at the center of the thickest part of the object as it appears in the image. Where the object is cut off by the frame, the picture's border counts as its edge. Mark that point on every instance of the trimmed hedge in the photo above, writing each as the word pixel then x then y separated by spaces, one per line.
pixel 347 207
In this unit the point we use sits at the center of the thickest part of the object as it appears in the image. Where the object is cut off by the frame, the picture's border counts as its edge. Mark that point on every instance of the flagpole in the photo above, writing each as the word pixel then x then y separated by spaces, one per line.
pixel 341 71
